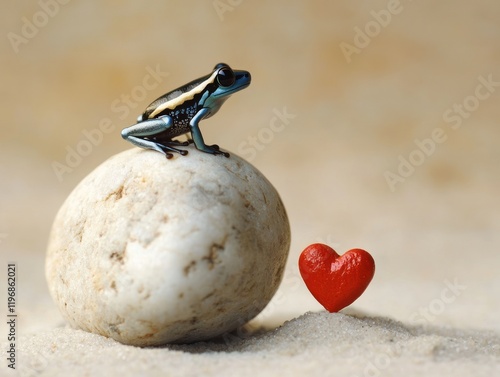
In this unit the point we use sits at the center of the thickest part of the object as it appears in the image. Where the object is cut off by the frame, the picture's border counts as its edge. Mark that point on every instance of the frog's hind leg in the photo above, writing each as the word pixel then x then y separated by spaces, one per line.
pixel 141 135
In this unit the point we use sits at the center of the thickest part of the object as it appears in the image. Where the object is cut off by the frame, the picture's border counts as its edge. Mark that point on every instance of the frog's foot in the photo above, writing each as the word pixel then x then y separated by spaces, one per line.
pixel 179 143
pixel 167 147
pixel 214 149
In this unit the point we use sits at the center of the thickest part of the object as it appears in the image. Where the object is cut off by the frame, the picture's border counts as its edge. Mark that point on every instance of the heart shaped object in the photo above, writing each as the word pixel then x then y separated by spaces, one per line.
pixel 335 281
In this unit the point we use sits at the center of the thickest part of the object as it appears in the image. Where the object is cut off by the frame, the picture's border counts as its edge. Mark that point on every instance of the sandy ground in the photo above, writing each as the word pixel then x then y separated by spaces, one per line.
pixel 390 144
pixel 313 344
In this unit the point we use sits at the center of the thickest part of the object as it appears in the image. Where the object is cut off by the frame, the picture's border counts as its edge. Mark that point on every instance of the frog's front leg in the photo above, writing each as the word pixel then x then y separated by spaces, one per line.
pixel 138 133
pixel 198 138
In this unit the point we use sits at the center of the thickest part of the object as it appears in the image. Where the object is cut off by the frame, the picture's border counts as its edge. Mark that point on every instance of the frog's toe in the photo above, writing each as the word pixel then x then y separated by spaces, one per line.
pixel 167 148
pixel 217 151
pixel 178 143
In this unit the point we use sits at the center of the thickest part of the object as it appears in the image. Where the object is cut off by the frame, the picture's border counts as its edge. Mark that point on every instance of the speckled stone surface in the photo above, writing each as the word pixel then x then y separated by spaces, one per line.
pixel 149 251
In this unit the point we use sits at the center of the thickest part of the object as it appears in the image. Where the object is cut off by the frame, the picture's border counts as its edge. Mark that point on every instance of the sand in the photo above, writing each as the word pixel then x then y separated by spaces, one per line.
pixel 314 344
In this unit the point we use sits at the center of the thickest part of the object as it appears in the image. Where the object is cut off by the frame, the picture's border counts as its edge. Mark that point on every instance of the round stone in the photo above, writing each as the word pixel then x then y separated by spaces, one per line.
pixel 150 251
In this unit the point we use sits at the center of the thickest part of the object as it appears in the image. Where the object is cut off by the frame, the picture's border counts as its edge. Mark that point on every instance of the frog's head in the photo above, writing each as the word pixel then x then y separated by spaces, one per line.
pixel 229 81
pixel 221 83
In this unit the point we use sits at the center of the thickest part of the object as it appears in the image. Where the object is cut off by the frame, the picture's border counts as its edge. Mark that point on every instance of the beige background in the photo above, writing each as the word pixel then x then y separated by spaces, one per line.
pixel 354 117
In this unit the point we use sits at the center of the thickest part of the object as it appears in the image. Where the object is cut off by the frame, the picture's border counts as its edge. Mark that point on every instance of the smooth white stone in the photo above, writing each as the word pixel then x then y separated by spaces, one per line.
pixel 150 251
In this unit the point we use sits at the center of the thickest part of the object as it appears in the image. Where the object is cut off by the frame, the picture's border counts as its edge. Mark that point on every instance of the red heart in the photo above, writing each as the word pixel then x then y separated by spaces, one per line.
pixel 335 281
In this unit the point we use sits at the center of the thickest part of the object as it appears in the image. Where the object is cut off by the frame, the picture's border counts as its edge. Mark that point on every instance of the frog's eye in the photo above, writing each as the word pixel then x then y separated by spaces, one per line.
pixel 225 77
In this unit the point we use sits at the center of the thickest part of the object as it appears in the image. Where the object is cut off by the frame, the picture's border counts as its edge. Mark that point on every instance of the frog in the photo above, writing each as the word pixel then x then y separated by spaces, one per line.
pixel 180 111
